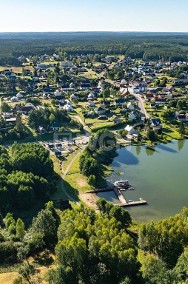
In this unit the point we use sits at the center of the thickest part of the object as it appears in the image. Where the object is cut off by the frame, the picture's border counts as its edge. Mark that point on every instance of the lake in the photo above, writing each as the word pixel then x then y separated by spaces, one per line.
pixel 160 177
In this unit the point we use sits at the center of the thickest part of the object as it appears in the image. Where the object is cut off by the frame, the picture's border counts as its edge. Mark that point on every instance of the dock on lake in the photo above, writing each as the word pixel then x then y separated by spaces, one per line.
pixel 124 202
pixel 97 190
pixel 132 203
pixel 121 197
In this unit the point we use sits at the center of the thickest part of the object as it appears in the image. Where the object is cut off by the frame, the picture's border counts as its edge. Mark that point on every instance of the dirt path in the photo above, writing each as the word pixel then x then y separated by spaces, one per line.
pixel 64 172
pixel 88 198
pixel 86 129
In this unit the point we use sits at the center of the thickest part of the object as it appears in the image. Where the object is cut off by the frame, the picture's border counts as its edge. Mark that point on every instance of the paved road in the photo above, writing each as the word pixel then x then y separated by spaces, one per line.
pixel 140 101
pixel 137 96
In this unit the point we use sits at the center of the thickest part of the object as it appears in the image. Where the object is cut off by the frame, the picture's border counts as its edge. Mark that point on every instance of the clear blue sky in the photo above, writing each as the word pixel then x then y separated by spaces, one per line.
pixel 93 15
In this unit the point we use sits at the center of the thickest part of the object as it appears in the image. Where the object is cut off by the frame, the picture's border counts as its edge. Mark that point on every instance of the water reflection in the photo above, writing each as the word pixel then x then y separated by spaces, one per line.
pixel 160 179
pixel 149 152
pixel 181 144
pixel 138 150
pixel 166 148
pixel 125 156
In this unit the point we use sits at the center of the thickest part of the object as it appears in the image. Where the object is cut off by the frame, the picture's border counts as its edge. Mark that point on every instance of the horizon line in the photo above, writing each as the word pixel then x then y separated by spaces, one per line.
pixel 92 31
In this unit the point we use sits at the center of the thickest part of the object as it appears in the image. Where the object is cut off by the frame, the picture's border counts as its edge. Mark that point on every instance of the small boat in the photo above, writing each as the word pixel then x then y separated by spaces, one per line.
pixel 121 183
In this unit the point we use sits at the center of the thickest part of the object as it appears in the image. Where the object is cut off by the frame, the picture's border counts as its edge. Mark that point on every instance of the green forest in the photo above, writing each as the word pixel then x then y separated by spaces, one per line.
pixel 148 46
pixel 80 245
pixel 97 248
pixel 26 175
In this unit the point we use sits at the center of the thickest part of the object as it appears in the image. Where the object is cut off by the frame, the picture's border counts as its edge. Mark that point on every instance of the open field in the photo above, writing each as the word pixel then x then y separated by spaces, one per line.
pixel 8 277
pixel 16 69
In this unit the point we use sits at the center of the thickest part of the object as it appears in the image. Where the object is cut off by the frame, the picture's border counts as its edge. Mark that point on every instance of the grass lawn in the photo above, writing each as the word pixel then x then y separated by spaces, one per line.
pixel 58 194
pixel 100 125
pixel 95 123
pixel 51 62
pixel 75 181
pixel 90 75
pixel 8 277
pixel 171 131
pixel 80 113
pixel 16 69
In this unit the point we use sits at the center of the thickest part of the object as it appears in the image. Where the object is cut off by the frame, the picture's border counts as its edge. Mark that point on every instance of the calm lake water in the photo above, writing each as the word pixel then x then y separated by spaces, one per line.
pixel 160 177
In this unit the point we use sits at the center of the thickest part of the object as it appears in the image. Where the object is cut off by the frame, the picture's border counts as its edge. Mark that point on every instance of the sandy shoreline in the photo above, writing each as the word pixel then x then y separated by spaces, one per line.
pixel 89 199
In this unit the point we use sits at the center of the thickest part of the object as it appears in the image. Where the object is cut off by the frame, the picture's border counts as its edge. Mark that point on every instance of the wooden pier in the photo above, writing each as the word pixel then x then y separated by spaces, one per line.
pixel 97 190
pixel 106 189
pixel 126 188
pixel 124 202
pixel 132 203
pixel 121 197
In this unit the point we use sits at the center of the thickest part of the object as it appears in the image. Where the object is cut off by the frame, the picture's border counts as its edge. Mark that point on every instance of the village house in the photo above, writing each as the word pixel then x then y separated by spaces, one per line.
pixel 130 106
pixel 57 93
pixel 68 107
pixel 130 130
pixel 131 116
pixel 123 83
pixel 119 102
pixel 100 111
pixel 91 96
pixel 160 100
pixel 116 119
pixel 66 64
pixel 91 103
pixel 155 122
pixel 7 115
pixel 181 116
pixel 27 108
pixel 138 87
pixel 148 96
pixel 55 126
pixel 73 97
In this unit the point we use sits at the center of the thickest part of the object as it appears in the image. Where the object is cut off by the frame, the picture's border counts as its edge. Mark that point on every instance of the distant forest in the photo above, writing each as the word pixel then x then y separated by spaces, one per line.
pixel 147 46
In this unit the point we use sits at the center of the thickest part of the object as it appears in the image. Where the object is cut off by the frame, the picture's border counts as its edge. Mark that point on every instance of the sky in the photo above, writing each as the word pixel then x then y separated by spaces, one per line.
pixel 93 15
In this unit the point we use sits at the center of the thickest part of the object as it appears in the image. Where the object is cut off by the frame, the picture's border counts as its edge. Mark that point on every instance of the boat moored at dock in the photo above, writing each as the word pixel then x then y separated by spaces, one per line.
pixel 121 183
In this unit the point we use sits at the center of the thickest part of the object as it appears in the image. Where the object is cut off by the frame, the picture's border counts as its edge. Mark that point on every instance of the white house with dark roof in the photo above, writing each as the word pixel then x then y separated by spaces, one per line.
pixel 130 130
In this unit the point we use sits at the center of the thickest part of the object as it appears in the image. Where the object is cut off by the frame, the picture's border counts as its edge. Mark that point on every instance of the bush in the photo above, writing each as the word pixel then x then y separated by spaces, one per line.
pixel 92 180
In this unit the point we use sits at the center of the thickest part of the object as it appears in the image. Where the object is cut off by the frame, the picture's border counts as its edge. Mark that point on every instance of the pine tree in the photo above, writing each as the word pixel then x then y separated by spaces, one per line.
pixel 20 229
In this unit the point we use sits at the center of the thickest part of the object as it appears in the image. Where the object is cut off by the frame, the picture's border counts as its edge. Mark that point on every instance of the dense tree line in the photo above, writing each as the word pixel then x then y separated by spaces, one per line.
pixel 136 45
pixel 45 117
pixel 93 249
pixel 12 132
pixel 17 243
pixel 100 150
pixel 99 248
pixel 26 175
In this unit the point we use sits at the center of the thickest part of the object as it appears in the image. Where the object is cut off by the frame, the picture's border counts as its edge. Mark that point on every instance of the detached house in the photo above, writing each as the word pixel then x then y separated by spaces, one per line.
pixel 130 130
pixel 139 87
pixel 100 111
pixel 155 122
pixel 130 106
pixel 27 108
pixel 131 116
